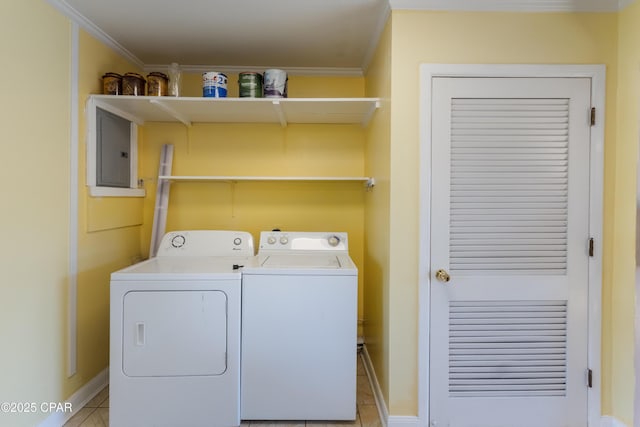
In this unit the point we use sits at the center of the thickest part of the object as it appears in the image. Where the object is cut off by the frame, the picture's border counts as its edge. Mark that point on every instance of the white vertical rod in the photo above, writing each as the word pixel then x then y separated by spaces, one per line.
pixel 72 296
pixel 162 199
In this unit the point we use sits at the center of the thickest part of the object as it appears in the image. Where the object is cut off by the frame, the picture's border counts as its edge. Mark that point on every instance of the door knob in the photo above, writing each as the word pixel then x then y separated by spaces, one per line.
pixel 443 276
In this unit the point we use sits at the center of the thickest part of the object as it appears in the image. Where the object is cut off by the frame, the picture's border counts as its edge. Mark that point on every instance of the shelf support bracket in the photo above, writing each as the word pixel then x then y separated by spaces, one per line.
pixel 171 111
pixel 281 117
pixel 371 182
pixel 367 117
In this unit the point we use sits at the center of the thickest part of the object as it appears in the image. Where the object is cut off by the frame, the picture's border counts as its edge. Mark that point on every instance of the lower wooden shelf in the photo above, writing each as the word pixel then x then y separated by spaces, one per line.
pixel 367 181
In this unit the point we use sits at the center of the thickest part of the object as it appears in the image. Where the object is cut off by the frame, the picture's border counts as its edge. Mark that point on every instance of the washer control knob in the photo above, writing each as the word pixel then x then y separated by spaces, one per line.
pixel 237 241
pixel 284 240
pixel 334 241
pixel 178 241
pixel 271 240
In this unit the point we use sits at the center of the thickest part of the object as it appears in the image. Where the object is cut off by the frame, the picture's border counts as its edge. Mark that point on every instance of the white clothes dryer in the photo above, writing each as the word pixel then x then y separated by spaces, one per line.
pixel 175 333
pixel 299 329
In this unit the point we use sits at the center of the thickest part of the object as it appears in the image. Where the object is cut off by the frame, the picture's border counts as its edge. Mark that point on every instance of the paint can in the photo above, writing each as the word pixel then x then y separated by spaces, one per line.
pixel 214 84
pixel 275 83
pixel 250 85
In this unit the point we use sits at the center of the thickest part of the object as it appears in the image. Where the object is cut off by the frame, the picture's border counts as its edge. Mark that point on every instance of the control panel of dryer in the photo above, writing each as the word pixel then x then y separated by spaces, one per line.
pixel 206 243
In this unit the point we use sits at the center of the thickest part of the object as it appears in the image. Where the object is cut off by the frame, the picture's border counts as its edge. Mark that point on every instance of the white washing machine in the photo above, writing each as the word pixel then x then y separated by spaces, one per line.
pixel 175 333
pixel 299 329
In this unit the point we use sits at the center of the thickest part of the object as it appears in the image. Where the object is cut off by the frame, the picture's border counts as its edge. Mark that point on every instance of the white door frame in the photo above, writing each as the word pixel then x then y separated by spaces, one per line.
pixel 597 74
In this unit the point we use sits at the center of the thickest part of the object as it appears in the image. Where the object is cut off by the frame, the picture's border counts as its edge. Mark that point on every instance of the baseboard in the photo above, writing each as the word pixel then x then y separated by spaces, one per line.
pixel 386 419
pixel 78 400
pixel 402 421
pixel 609 421
pixel 383 413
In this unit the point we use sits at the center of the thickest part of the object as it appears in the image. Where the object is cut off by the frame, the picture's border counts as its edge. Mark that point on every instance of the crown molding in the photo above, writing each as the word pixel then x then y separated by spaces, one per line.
pixel 441 5
pixel 510 6
pixel 375 39
pixel 624 3
pixel 98 33
pixel 95 31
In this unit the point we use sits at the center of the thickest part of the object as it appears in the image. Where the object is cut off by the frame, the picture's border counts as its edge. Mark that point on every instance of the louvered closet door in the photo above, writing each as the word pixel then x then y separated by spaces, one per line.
pixel 510 202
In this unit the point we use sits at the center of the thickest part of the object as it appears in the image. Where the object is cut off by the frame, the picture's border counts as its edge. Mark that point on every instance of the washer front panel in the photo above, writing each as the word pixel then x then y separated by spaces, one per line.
pixel 299 347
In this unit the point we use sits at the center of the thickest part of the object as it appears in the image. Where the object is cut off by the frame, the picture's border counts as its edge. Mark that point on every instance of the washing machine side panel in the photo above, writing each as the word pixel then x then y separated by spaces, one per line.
pixel 299 347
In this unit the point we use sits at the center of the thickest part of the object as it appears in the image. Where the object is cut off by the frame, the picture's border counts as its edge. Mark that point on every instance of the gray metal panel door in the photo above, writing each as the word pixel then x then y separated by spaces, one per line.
pixel 113 145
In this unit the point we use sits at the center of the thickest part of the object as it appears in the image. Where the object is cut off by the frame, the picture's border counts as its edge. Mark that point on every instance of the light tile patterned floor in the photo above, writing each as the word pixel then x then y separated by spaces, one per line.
pixel 96 412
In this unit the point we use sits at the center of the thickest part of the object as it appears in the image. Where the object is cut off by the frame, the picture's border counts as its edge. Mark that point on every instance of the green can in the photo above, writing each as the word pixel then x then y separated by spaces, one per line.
pixel 250 85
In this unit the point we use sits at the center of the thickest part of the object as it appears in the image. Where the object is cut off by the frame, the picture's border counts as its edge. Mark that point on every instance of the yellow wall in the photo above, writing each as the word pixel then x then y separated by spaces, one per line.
pixel 621 334
pixel 109 228
pixel 449 37
pixel 263 150
pixel 382 224
pixel 34 218
pixel 377 206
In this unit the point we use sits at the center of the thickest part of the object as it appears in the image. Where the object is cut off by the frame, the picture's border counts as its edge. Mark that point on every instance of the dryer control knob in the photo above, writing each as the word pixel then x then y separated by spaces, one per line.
pixel 334 241
pixel 237 241
pixel 271 240
pixel 178 241
pixel 284 240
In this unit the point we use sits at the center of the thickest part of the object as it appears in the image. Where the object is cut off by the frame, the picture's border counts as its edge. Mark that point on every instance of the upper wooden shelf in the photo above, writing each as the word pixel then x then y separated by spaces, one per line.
pixel 189 110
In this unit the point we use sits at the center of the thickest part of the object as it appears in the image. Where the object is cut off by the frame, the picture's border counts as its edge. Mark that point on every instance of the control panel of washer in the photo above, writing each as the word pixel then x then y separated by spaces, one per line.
pixel 294 241
pixel 206 243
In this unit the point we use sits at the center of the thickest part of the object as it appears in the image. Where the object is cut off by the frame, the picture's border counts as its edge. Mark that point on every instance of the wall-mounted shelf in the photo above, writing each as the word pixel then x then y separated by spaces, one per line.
pixel 189 110
pixel 367 181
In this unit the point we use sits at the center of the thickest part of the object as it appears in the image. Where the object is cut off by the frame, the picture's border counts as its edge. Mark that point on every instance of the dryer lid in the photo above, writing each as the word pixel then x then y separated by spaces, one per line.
pixel 183 268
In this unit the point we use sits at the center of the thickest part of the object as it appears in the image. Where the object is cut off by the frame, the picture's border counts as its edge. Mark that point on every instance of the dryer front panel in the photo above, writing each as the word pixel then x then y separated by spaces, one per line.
pixel 174 333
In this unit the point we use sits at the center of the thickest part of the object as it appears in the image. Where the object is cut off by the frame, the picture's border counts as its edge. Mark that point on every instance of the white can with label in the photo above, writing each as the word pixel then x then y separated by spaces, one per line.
pixel 214 84
pixel 275 83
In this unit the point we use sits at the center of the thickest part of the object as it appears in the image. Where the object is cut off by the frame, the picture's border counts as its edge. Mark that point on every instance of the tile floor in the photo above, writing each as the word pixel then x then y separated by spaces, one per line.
pixel 96 412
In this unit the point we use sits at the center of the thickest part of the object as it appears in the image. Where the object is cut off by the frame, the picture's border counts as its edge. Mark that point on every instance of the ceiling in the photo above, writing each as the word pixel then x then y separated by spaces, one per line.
pixel 300 36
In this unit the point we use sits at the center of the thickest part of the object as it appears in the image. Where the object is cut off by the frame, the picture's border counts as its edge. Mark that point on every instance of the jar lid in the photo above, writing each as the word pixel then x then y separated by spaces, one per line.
pixel 157 74
pixel 116 75
pixel 135 75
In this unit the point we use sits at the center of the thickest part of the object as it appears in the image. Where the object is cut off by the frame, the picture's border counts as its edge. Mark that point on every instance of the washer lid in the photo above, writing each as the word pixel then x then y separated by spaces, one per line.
pixel 183 268
pixel 301 264
pixel 301 261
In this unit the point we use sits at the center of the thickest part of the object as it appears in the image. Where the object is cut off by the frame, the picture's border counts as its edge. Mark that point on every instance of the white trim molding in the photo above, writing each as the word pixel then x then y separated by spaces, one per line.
pixel 78 400
pixel 402 421
pixel 609 421
pixel 597 74
pixel 383 412
pixel 510 6
pixel 72 294
pixel 386 419
pixel 624 3
pixel 95 31
pixel 91 138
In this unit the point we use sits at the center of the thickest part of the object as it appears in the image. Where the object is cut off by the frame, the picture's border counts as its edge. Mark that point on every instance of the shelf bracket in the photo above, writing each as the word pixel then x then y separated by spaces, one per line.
pixel 367 117
pixel 371 182
pixel 283 120
pixel 171 111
